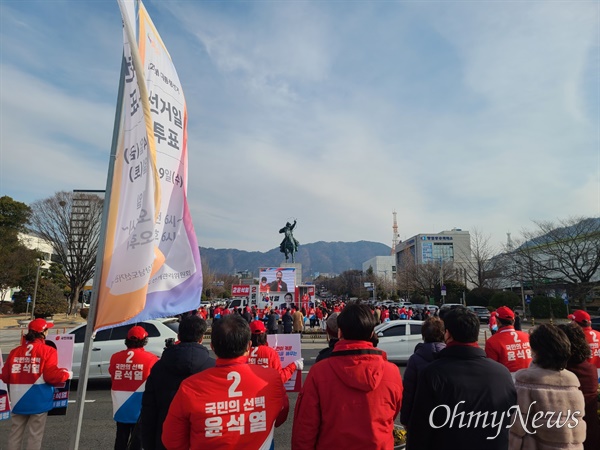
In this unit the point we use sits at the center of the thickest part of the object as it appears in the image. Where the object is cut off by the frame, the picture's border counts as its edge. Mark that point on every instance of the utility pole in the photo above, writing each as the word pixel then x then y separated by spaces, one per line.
pixel 37 279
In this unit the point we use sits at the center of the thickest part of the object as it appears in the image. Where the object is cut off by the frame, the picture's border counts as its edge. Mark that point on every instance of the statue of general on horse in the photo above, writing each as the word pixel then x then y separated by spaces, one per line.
pixel 289 245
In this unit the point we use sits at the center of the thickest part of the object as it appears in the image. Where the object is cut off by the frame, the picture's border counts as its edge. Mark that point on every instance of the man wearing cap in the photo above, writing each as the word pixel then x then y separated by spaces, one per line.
pixel 350 399
pixel 234 405
pixel 583 319
pixel 266 356
pixel 332 336
pixel 31 372
pixel 128 371
pixel 508 346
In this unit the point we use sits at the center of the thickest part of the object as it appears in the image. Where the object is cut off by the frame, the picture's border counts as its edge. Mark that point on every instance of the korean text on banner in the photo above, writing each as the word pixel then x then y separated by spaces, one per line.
pixel 289 349
pixel 151 264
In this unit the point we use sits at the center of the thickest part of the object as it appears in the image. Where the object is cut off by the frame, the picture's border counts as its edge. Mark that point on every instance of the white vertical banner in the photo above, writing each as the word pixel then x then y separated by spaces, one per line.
pixel 4 400
pixel 151 264
pixel 179 279
pixel 65 345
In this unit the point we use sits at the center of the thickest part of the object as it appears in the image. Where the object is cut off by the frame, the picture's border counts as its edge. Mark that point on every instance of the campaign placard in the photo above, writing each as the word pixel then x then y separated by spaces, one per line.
pixel 240 290
pixel 288 347
pixel 4 400
pixel 64 344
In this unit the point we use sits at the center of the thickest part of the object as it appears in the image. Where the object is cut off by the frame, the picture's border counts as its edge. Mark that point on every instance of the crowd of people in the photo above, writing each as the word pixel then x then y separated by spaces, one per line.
pixel 293 318
pixel 534 390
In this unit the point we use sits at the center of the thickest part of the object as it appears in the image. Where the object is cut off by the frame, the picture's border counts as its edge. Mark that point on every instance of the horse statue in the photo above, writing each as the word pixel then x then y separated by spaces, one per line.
pixel 289 245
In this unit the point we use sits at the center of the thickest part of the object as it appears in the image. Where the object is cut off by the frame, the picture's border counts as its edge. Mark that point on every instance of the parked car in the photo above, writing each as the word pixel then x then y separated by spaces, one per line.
pixel 482 313
pixel 596 323
pixel 398 338
pixel 108 342
pixel 451 305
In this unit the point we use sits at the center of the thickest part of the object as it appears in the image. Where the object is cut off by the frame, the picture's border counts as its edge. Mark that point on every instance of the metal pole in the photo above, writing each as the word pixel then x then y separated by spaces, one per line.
pixel 85 358
pixel 37 279
pixel 523 300
pixel 465 289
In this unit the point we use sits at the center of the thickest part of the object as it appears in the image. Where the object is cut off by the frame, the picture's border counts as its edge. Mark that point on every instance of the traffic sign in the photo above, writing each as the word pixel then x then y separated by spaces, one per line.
pixel 29 299
pixel 528 299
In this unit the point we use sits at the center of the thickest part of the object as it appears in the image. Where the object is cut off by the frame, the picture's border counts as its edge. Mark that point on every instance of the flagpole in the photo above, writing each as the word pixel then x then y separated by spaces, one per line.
pixel 91 320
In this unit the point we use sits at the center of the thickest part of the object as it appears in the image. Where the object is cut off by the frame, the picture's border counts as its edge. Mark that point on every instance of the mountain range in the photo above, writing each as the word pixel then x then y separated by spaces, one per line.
pixel 319 257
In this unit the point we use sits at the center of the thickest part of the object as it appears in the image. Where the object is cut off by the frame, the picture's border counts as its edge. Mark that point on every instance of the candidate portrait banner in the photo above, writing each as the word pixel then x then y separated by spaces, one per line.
pixel 151 264
pixel 288 278
pixel 289 349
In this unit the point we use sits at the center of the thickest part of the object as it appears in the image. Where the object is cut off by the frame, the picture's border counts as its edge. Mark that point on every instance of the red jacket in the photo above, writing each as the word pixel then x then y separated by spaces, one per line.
pixel 31 372
pixel 593 338
pixel 234 405
pixel 128 371
pixel 266 356
pixel 510 348
pixel 348 401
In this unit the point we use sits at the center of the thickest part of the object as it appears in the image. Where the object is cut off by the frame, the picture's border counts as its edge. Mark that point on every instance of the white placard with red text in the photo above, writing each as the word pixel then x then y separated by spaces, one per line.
pixel 289 349
pixel 65 344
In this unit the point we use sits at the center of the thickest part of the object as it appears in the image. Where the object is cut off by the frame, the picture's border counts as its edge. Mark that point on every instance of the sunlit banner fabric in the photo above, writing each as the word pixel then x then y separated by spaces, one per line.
pixel 151 266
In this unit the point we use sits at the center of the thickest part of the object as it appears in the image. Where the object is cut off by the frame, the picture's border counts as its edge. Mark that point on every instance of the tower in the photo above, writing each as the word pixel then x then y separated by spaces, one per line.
pixel 509 244
pixel 395 235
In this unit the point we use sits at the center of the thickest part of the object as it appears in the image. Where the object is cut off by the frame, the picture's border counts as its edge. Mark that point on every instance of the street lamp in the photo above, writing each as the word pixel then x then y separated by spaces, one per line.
pixel 37 279
pixel 385 281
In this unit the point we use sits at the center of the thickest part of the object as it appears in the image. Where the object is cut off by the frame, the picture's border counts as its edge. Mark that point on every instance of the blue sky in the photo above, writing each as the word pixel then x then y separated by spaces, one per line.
pixel 475 115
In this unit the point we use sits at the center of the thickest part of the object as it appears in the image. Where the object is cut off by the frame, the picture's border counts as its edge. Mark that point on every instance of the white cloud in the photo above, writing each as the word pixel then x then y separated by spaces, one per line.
pixel 454 114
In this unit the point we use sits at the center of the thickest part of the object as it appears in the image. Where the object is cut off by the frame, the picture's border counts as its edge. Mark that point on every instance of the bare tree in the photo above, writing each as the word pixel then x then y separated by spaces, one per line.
pixel 481 266
pixel 423 278
pixel 70 221
pixel 562 254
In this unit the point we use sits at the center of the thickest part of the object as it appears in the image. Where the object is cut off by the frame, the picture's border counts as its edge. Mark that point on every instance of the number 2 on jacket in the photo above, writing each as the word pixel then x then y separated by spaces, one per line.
pixel 235 376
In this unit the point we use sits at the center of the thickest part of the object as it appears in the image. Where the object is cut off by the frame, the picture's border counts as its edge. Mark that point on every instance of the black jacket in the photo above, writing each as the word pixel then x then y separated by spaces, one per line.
pixel 462 374
pixel 176 364
pixel 424 354
pixel 326 352
pixel 272 324
pixel 287 322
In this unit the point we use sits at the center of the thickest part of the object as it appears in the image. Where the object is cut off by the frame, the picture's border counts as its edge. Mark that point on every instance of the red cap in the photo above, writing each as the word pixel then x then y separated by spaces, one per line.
pixel 504 312
pixel 257 327
pixel 40 325
pixel 137 332
pixel 579 316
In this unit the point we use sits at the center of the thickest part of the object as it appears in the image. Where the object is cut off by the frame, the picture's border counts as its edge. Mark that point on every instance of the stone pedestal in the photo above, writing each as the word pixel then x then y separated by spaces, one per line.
pixel 297 272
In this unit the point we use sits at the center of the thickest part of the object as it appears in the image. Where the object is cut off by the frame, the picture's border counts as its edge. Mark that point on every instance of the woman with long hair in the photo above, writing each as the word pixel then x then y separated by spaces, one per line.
pixel 548 390
pixel 586 373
